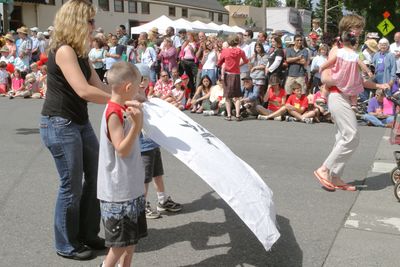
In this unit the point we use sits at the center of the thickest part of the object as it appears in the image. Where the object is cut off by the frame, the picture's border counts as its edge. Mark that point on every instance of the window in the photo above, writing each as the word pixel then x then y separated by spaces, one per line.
pixel 104 5
pixel 184 12
pixel 119 5
pixel 219 17
pixel 145 8
pixel 211 16
pixel 132 6
pixel 172 11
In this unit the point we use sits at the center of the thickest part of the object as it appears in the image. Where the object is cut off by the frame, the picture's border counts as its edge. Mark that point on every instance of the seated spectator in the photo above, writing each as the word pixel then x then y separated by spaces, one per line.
pixel 201 96
pixel 35 70
pixel 179 94
pixel 43 81
pixel 163 87
pixel 251 97
pixel 17 86
pixel 217 100
pixel 3 78
pixel 380 111
pixel 5 55
pixel 297 105
pixel 276 98
pixel 32 85
pixel 320 108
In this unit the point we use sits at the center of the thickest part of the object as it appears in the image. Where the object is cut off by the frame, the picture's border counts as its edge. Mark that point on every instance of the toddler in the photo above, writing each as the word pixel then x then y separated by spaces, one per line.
pixel 3 78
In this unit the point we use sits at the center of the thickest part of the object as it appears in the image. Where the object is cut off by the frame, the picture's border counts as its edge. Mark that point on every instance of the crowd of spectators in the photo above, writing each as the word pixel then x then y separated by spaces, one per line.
pixel 267 77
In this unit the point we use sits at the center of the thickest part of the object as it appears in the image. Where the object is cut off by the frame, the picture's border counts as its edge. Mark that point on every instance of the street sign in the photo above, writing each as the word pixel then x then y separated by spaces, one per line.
pixel 385 27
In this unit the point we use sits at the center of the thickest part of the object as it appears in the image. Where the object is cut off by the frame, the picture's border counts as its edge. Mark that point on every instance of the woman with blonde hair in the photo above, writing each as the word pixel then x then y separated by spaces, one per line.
pixel 66 131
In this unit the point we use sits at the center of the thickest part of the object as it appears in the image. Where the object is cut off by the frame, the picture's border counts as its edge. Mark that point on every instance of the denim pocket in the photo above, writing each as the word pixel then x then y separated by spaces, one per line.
pixel 60 122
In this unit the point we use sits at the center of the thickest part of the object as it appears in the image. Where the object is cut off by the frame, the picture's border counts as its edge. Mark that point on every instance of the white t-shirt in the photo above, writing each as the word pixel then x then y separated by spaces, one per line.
pixel 211 61
pixel 393 48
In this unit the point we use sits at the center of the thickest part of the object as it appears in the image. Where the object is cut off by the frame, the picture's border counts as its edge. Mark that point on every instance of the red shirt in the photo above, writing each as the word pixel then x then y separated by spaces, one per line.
pixel 275 101
pixel 231 57
pixel 298 102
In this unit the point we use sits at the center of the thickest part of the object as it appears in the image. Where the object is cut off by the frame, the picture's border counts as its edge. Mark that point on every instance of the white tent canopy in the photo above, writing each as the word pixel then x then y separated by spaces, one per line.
pixel 201 26
pixel 162 23
pixel 182 24
pixel 237 29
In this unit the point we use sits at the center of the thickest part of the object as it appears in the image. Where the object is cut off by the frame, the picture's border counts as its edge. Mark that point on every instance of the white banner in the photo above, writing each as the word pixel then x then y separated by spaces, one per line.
pixel 232 178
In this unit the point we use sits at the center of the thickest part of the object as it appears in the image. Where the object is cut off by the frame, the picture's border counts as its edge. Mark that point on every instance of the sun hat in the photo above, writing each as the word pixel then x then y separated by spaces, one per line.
pixel 5 49
pixel 177 81
pixel 372 45
pixel 34 29
pixel 23 30
pixel 9 37
pixel 154 30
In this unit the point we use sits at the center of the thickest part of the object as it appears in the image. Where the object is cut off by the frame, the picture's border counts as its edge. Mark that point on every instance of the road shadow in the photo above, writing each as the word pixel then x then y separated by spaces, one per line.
pixel 377 182
pixel 241 244
pixel 27 131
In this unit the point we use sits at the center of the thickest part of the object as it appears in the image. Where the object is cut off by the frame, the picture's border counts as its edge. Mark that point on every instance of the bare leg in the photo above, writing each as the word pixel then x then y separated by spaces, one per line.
pixel 237 106
pixel 279 112
pixel 159 183
pixel 126 258
pixel 114 254
pixel 228 107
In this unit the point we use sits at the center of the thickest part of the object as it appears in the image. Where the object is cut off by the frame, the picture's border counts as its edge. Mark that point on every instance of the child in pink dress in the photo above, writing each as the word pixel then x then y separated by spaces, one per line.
pixel 345 71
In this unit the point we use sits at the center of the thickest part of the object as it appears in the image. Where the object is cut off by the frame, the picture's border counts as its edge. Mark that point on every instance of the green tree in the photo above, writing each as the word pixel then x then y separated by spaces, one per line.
pixel 301 4
pixel 334 15
pixel 258 3
pixel 372 11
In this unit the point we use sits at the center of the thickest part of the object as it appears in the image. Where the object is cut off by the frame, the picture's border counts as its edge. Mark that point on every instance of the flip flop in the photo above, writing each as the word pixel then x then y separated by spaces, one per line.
pixel 324 182
pixel 346 187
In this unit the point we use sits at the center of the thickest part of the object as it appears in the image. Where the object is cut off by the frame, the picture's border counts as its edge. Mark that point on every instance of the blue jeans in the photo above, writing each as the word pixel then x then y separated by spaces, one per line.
pixel 75 150
pixel 210 73
pixel 377 122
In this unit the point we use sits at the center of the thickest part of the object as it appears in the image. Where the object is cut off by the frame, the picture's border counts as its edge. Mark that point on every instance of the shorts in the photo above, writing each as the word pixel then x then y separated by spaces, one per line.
pixel 153 165
pixel 289 81
pixel 124 222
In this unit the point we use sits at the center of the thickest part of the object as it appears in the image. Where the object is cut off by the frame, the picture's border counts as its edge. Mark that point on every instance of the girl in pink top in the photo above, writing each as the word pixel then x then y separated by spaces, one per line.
pixel 17 84
pixel 345 73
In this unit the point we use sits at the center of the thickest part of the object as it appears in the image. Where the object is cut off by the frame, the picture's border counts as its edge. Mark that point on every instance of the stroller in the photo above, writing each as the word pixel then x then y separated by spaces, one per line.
pixel 395 139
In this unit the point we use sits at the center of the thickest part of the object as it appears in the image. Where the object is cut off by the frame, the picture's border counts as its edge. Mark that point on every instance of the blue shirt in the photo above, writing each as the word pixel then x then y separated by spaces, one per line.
pixel 147 144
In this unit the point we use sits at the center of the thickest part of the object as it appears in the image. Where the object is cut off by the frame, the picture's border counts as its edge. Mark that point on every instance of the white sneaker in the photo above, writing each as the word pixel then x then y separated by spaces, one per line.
pixel 279 118
pixel 308 120
pixel 262 117
pixel 208 113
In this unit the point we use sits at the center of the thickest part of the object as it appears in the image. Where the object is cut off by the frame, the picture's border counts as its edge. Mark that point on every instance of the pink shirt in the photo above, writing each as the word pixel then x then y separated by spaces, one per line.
pixel 16 83
pixel 346 73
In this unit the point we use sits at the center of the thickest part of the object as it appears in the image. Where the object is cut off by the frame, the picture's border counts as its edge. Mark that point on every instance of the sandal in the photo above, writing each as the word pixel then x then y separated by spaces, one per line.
pixel 228 118
pixel 324 182
pixel 240 118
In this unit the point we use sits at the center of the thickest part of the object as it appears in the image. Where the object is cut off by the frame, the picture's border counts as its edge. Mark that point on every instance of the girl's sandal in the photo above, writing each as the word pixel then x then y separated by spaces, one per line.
pixel 228 118
pixel 240 118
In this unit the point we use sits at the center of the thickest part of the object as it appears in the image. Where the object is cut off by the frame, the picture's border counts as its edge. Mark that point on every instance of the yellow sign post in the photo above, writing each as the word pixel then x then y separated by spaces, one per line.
pixel 385 27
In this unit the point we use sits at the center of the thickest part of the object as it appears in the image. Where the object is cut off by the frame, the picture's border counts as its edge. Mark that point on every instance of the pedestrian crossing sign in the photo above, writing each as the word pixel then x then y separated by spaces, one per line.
pixel 385 27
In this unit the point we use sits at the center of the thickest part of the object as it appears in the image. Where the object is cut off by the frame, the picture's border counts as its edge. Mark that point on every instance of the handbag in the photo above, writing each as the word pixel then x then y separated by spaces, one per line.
pixel 257 74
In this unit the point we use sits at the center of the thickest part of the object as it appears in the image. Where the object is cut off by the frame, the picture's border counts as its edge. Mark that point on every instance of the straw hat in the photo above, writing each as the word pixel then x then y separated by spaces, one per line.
pixel 154 30
pixel 9 37
pixel 372 45
pixel 23 30
pixel 5 49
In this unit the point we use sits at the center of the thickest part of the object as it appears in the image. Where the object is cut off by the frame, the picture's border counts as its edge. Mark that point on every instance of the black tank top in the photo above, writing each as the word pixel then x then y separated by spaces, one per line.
pixel 61 100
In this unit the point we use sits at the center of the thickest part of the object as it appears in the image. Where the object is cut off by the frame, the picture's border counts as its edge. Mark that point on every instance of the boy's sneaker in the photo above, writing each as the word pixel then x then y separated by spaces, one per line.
pixel 279 118
pixel 208 113
pixel 308 120
pixel 150 213
pixel 290 118
pixel 169 205
pixel 262 117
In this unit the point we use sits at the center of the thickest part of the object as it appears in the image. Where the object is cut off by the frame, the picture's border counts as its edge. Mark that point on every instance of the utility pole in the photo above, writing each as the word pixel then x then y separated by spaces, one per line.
pixel 326 17
pixel 295 3
pixel 264 28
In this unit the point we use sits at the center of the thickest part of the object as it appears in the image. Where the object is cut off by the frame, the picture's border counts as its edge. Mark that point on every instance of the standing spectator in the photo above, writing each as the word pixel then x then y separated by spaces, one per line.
pixel 176 41
pixel 97 55
pixel 380 111
pixel 42 44
pixel 263 39
pixel 247 45
pixel 201 44
pixel 385 63
pixel 395 49
pixel 35 44
pixel 317 62
pixel 115 53
pixel 232 57
pixel 209 61
pixel 168 56
pixel 25 48
pixel 66 131
pixel 189 60
pixel 149 58
pixel 371 47
pixel 258 63
pixel 275 58
pixel 121 35
pixel 297 59
pixel 316 27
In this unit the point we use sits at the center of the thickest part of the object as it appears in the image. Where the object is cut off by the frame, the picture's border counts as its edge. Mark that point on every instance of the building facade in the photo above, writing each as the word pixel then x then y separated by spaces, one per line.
pixel 111 13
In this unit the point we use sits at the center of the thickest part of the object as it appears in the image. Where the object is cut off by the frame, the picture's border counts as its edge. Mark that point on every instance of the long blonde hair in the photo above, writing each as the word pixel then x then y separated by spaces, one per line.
pixel 71 26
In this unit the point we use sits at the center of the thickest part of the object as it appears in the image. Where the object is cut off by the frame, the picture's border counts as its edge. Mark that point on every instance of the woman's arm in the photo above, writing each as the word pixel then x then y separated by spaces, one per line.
pixel 67 60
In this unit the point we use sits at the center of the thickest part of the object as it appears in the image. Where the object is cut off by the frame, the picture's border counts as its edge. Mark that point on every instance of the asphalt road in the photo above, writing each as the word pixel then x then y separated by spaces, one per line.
pixel 206 232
